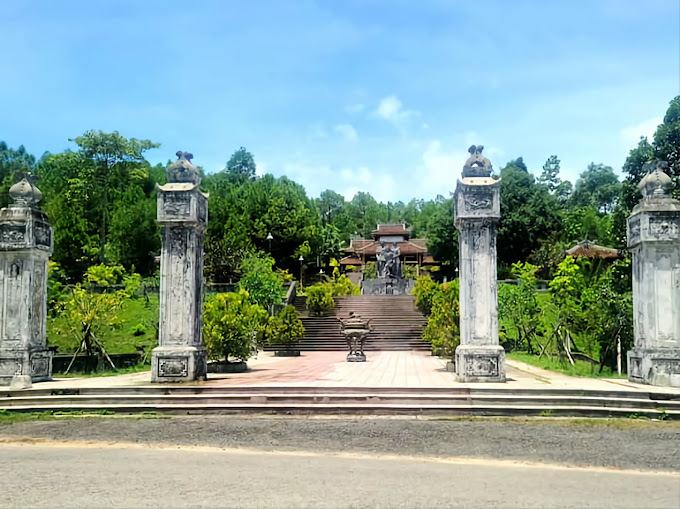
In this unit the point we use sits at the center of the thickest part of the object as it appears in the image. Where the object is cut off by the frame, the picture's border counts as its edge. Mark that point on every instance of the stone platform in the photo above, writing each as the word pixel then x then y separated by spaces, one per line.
pixel 384 369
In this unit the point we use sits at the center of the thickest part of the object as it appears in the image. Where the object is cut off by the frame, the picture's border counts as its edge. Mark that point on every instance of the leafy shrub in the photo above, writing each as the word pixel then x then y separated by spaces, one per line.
pixel 286 327
pixel 425 289
pixel 233 326
pixel 104 275
pixel 138 330
pixel 409 271
pixel 263 285
pixel 342 286
pixel 443 325
pixel 370 270
pixel 320 298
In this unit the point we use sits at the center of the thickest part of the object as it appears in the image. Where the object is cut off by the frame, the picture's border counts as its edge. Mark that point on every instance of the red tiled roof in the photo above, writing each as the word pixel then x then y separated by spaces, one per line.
pixel 350 260
pixel 369 247
pixel 587 249
pixel 391 229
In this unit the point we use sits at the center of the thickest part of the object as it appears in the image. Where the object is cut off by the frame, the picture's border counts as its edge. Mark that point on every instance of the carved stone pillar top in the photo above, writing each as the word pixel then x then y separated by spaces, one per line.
pixel 180 201
pixel 22 226
pixel 656 218
pixel 477 194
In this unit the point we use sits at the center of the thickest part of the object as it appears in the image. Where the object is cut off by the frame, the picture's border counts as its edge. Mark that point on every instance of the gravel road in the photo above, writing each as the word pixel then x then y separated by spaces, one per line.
pixel 624 444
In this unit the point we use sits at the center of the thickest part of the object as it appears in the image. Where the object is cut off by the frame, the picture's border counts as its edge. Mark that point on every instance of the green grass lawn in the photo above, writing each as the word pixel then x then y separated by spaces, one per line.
pixel 135 314
pixel 580 368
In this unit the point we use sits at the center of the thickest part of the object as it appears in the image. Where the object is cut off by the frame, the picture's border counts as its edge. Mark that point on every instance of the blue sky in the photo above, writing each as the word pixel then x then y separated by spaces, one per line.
pixel 379 96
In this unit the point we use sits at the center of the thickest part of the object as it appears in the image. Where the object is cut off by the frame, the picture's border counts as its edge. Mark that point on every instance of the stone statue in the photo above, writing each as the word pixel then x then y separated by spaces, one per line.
pixel 396 260
pixel 477 165
pixel 380 257
pixel 356 331
pixel 182 170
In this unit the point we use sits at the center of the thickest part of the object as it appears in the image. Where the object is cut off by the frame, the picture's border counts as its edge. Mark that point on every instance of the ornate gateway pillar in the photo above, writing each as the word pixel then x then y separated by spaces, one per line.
pixel 654 239
pixel 25 248
pixel 479 358
pixel 182 216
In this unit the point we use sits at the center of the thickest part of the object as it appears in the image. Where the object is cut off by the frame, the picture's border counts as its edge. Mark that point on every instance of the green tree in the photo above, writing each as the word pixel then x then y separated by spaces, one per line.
pixel 241 165
pixel 264 286
pixel 597 187
pixel 116 160
pixel 518 305
pixel 550 175
pixel 442 236
pixel 529 214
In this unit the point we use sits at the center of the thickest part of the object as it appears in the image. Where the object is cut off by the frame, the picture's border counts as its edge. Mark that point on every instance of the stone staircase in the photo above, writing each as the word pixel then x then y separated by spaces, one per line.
pixel 397 324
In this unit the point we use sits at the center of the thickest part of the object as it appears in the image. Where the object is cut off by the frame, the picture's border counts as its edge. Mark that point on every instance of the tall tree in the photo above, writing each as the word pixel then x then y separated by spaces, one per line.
pixel 550 175
pixel 597 187
pixel 241 165
pixel 115 160
pixel 529 214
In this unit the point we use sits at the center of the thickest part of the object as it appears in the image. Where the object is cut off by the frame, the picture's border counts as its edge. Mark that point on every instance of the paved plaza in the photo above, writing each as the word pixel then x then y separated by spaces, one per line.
pixel 383 369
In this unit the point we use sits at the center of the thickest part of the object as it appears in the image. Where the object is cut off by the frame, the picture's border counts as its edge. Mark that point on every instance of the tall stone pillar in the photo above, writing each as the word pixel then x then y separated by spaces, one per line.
pixel 25 248
pixel 479 358
pixel 654 239
pixel 182 216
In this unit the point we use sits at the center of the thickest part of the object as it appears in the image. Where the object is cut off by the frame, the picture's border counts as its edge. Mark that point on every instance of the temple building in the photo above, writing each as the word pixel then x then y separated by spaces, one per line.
pixel 413 251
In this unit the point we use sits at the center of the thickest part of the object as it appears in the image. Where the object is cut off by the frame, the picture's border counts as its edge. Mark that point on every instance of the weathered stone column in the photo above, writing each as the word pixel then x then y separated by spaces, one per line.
pixel 25 248
pixel 654 239
pixel 182 215
pixel 479 358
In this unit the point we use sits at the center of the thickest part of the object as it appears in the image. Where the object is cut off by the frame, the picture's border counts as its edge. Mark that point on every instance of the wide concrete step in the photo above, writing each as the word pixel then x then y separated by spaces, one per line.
pixel 453 401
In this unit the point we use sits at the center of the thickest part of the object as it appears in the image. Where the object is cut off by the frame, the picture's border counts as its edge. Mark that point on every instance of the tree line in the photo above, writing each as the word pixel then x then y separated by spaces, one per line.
pixel 101 199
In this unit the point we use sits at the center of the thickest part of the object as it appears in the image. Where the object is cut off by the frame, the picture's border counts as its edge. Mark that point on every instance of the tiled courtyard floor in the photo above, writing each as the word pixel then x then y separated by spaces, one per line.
pixel 410 369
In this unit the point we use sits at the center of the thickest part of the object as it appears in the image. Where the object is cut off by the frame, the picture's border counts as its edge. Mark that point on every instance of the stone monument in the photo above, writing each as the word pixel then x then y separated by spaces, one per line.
pixel 182 216
pixel 479 358
pixel 654 240
pixel 356 330
pixel 25 248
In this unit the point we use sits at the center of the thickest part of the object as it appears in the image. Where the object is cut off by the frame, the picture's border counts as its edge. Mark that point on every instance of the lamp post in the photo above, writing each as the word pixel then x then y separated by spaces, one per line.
pixel 301 259
pixel 269 239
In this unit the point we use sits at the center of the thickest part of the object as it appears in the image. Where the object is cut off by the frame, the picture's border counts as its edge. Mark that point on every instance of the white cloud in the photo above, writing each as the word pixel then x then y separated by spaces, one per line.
pixel 355 108
pixel 346 181
pixel 631 135
pixel 440 168
pixel 348 132
pixel 390 107
pixel 319 131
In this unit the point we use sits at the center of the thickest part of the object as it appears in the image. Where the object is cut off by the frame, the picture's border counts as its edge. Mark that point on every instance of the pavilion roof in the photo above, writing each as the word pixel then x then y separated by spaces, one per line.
pixel 588 249
pixel 391 229
pixel 369 247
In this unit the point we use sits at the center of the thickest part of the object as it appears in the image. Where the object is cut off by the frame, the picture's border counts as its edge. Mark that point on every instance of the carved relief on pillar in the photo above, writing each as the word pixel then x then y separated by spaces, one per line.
pixel 37 307
pixel 483 365
pixel 14 305
pixel 177 204
pixel 12 234
pixel 664 228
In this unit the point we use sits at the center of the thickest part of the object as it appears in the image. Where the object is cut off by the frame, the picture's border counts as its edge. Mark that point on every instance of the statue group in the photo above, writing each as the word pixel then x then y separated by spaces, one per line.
pixel 389 262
